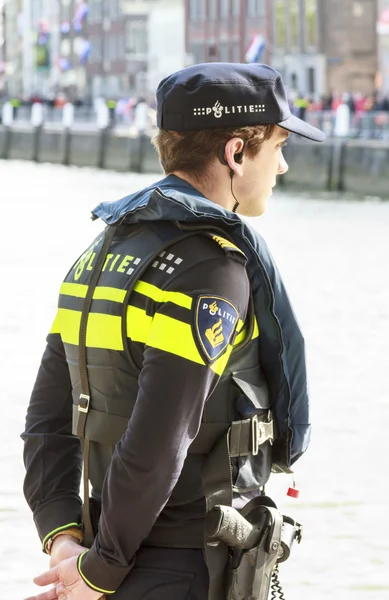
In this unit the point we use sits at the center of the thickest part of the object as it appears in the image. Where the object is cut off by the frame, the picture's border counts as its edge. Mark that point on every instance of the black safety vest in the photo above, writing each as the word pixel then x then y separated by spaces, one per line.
pixel 243 445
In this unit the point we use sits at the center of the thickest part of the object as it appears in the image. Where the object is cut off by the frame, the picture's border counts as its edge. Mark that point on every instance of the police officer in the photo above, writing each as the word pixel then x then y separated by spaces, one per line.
pixel 174 371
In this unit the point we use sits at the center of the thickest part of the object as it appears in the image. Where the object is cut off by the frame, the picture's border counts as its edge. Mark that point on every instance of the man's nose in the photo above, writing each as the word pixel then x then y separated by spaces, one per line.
pixel 282 165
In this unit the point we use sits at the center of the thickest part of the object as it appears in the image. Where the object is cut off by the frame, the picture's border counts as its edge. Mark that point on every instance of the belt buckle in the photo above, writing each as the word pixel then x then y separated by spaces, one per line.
pixel 262 431
pixel 83 403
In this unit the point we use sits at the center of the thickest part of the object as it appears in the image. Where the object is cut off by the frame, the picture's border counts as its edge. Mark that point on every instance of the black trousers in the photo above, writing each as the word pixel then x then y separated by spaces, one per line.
pixel 166 574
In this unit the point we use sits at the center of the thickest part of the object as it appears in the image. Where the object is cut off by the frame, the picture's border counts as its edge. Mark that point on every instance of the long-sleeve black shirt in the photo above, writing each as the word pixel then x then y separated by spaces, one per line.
pixel 146 466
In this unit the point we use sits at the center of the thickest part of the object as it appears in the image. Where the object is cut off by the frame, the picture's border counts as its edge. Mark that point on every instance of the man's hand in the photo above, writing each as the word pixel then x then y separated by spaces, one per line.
pixel 68 583
pixel 64 546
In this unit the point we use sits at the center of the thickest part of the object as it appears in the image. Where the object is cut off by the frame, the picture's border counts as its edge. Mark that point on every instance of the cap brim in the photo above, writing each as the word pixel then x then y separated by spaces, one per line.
pixel 296 125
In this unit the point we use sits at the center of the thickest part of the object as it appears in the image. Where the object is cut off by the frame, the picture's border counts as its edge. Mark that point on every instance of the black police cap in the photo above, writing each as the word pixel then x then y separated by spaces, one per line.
pixel 219 95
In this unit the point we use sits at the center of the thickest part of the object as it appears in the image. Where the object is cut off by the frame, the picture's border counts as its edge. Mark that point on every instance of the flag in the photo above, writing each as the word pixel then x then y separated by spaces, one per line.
pixel 80 15
pixel 85 51
pixel 82 11
pixel 42 51
pixel 255 49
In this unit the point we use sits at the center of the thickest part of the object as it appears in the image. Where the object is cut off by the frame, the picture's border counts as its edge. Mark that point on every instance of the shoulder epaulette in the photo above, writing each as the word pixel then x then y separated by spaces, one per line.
pixel 229 248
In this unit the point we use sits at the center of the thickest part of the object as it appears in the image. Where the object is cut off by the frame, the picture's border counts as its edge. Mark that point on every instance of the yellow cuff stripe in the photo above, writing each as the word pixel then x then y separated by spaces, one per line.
pixel 94 587
pixel 55 531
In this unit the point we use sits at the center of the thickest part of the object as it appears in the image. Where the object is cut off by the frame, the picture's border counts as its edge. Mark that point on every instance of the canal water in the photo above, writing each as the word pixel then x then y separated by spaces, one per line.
pixel 333 255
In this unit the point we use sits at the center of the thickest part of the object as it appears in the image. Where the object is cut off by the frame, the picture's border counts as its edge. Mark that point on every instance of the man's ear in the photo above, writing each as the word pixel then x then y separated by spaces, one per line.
pixel 232 159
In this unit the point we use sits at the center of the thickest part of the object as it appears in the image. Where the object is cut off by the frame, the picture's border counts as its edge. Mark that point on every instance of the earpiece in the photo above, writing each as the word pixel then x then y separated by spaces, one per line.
pixel 220 156
pixel 238 157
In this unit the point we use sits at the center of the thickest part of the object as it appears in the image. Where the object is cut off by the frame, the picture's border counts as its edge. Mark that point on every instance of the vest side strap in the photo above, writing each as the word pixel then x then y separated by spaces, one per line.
pixel 104 428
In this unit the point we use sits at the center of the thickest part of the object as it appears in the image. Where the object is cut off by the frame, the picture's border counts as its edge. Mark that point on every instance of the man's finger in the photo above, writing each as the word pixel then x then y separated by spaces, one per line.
pixel 50 595
pixel 48 577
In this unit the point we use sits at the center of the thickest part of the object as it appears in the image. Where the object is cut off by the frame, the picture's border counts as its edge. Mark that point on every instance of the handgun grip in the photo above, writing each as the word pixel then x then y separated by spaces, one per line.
pixel 226 524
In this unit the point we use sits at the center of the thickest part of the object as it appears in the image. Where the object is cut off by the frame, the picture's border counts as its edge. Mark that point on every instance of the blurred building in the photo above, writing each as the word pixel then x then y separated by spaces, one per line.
pixel 132 46
pixel 224 30
pixel 39 22
pixel 89 48
pixel 71 52
pixel 166 41
pixel 106 67
pixel 30 34
pixel 296 50
pixel 321 46
pixel 383 46
pixel 154 42
pixel 12 47
pixel 2 48
pixel 349 42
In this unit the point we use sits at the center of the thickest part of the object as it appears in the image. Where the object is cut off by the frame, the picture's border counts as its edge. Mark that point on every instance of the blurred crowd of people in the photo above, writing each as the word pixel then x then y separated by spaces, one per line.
pixel 124 110
pixel 139 113
pixel 345 114
pixel 357 103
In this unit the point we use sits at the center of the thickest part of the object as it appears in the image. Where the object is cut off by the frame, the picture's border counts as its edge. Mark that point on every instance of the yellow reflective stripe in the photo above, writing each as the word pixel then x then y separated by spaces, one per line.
pixel 70 325
pixel 256 329
pixel 220 364
pixel 138 324
pixel 158 295
pixel 79 290
pixel 241 334
pixel 55 328
pixel 109 293
pixel 175 337
pixel 94 587
pixel 239 325
pixel 170 335
pixel 240 337
pixel 103 331
pixel 63 528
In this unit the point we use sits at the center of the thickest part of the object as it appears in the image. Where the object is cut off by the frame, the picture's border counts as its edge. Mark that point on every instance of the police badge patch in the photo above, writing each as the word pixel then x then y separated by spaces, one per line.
pixel 215 322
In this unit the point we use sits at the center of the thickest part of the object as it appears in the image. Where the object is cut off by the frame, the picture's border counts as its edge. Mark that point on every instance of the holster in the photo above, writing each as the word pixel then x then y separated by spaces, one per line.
pixel 250 571
pixel 258 537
